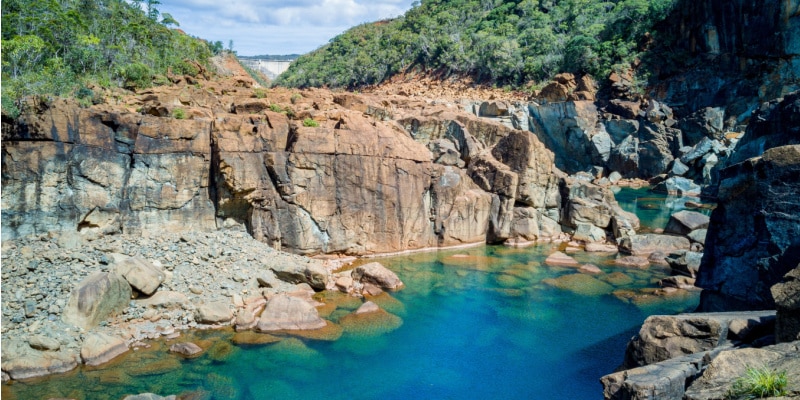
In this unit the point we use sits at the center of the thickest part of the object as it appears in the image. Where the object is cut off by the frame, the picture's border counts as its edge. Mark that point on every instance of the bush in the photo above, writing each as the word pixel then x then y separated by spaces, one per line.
pixel 138 75
pixel 260 93
pixel 308 122
pixel 758 383
pixel 275 108
pixel 179 113
pixel 295 98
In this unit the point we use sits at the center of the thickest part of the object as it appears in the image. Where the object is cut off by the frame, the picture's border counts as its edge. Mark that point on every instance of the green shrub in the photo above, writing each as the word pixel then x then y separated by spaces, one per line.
pixel 758 383
pixel 295 98
pixel 275 108
pixel 260 93
pixel 308 122
pixel 138 75
pixel 179 113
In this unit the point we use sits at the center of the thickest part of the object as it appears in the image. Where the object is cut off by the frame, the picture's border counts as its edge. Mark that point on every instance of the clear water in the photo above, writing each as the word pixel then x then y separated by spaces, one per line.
pixel 654 209
pixel 480 323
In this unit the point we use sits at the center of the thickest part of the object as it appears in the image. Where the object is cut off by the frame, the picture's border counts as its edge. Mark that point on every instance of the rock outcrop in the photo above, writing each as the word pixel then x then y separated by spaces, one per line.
pixel 787 301
pixel 373 176
pixel 753 238
pixel 95 298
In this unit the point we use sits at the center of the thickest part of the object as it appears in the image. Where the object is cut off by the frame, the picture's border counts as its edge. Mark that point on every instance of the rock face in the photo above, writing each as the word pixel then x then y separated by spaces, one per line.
pixel 95 298
pixel 753 239
pixel 366 180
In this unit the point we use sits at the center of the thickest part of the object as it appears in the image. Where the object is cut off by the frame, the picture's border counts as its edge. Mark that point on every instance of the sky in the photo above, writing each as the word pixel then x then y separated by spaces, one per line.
pixel 276 27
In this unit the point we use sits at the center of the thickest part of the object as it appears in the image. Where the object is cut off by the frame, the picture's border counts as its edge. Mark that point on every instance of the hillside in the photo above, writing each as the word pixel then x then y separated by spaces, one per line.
pixel 499 42
pixel 81 48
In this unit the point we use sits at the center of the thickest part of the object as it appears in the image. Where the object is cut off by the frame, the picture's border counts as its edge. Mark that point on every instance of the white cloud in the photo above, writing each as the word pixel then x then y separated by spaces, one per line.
pixel 277 27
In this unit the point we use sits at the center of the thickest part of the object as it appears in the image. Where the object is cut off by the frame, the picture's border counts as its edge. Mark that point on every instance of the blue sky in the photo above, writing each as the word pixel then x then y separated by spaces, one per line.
pixel 277 27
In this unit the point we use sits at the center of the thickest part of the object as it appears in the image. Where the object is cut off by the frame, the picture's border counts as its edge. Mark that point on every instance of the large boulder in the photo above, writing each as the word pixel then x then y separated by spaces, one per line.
pixel 787 302
pixel 95 298
pixel 100 348
pixel 753 238
pixel 213 312
pixel 377 274
pixel 289 313
pixel 141 274
pixel 663 337
pixel 685 221
pixel 648 243
pixel 307 271
pixel 20 361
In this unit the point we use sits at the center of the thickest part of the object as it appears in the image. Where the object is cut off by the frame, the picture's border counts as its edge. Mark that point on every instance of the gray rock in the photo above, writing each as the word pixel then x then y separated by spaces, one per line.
pixel 289 313
pixel 698 236
pixel 311 272
pixel 367 307
pixel 679 186
pixel 649 243
pixel 95 298
pixel 141 274
pixel 99 348
pixel 377 274
pixel 589 233
pixel 149 396
pixel 699 150
pixel 664 380
pixel 685 262
pixel 685 221
pixel 40 342
pixel 678 168
pixel 20 361
pixel 620 129
pixel 187 349
pixel 614 177
pixel 214 312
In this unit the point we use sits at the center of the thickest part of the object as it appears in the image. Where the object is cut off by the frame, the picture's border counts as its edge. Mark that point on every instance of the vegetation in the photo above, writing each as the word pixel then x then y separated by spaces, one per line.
pixel 179 113
pixel 759 383
pixel 495 41
pixel 58 47
pixel 308 122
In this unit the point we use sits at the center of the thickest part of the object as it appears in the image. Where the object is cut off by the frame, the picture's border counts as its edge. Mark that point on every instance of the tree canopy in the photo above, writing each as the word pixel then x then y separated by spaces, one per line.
pixel 494 41
pixel 56 47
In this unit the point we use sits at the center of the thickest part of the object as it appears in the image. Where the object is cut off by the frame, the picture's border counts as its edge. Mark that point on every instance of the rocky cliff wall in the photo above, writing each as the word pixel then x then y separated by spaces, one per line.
pixel 365 176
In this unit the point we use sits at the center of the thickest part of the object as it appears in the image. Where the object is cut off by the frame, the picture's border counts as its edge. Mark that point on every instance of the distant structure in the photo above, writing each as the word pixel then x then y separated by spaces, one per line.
pixel 271 66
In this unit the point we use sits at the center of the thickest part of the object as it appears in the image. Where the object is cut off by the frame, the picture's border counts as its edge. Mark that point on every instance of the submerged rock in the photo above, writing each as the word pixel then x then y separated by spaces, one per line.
pixel 377 274
pixel 581 284
pixel 99 348
pixel 187 349
pixel 560 259
pixel 289 313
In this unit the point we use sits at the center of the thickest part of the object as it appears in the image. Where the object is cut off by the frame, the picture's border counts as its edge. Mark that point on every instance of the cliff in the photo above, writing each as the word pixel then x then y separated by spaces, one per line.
pixel 309 172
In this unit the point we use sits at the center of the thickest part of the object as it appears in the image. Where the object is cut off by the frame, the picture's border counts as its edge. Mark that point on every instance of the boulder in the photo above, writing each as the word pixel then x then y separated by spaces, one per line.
pixel 289 313
pixel 141 274
pixel 685 221
pixel 665 337
pixel 377 274
pixel 20 361
pixel 95 298
pixel 44 343
pixel 187 349
pixel 678 282
pixel 367 307
pixel 645 244
pixel 311 272
pixel 99 348
pixel 632 261
pixel 728 366
pixel 686 263
pixel 787 301
pixel 213 312
pixel 560 259
pixel 678 186
pixel 698 236
pixel 166 299
pixel 601 248
pixel 589 233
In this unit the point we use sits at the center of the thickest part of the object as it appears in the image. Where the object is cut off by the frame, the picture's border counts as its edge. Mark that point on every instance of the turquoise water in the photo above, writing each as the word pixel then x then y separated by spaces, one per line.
pixel 654 209
pixel 483 323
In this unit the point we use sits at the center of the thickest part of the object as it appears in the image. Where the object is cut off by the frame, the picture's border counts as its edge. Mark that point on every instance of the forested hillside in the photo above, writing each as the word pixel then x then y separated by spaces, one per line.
pixel 63 47
pixel 495 41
